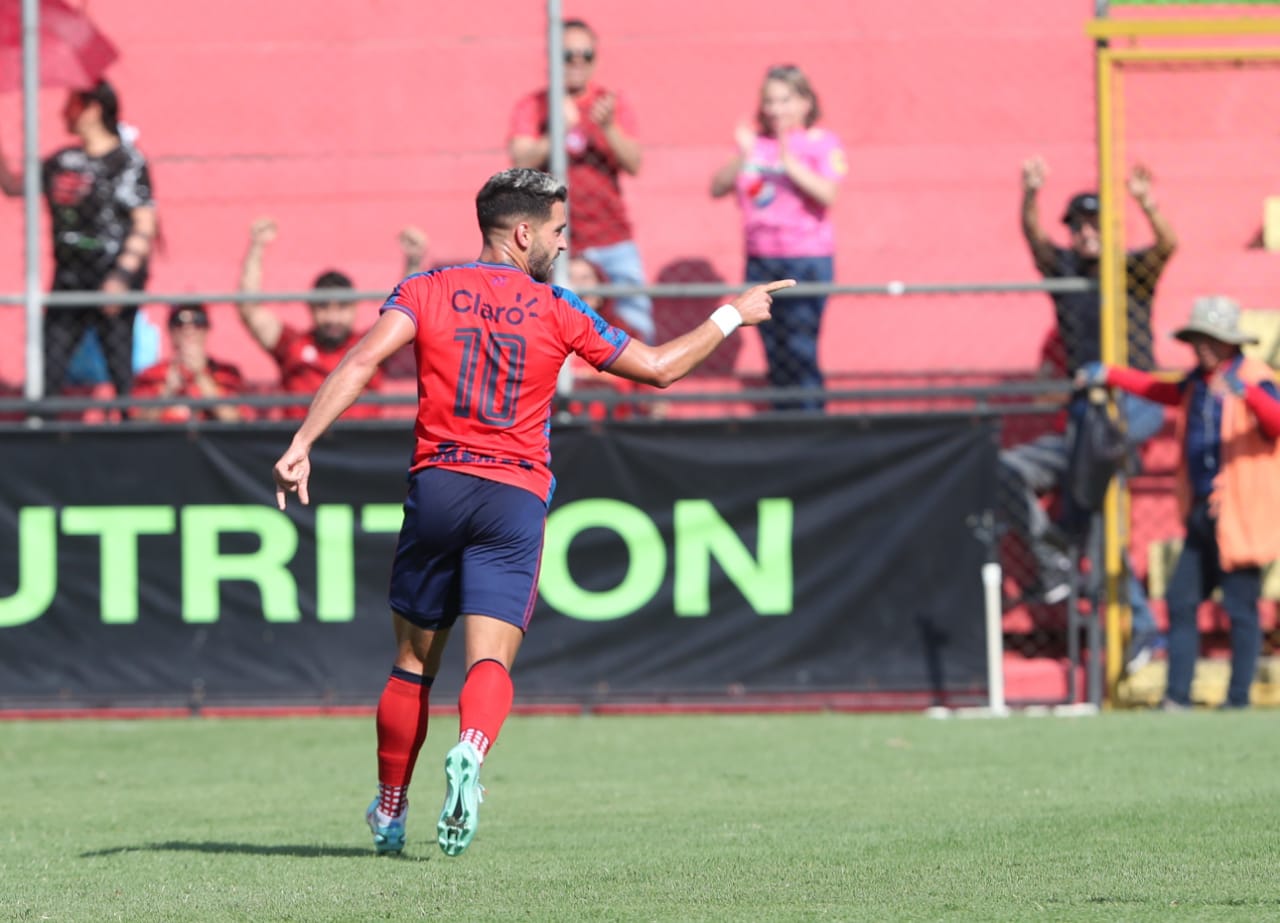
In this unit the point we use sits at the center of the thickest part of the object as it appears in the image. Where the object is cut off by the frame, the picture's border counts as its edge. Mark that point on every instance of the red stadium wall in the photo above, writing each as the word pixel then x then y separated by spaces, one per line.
pixel 348 120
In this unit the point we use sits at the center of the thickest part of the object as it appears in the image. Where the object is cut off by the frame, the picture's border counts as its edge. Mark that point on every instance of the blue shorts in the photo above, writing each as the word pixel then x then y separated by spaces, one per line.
pixel 468 546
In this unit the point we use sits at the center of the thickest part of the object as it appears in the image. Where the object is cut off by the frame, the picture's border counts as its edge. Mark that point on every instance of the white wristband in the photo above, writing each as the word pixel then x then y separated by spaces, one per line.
pixel 727 318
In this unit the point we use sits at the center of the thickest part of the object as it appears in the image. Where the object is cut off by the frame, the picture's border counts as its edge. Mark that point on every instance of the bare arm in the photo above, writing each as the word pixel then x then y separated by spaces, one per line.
pixel 724 180
pixel 137 245
pixel 1140 188
pixel 726 177
pixel 393 330
pixel 413 244
pixel 667 363
pixel 263 324
pixel 226 413
pixel 530 152
pixel 10 182
pixel 1038 242
pixel 626 149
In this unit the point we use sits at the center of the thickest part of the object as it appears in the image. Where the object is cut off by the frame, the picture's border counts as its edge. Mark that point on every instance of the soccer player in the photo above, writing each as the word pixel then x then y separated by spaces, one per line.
pixel 489 338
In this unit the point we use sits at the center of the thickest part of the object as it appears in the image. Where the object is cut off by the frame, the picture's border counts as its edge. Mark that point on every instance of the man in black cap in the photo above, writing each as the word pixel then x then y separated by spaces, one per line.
pixel 1038 467
pixel 188 372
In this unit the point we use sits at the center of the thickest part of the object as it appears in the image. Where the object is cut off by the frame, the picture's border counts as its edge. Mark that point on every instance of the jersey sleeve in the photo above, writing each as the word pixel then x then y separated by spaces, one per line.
pixel 587 333
pixel 410 296
pixel 527 118
pixel 286 344
pixel 150 381
pixel 829 159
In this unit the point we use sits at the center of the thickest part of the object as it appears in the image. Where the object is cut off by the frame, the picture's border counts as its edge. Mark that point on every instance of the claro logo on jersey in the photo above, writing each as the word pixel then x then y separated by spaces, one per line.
pixel 465 302
pixel 702 552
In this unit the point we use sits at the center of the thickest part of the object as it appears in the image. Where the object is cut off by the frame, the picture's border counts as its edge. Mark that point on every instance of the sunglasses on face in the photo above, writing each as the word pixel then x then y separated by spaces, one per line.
pixel 587 54
pixel 188 320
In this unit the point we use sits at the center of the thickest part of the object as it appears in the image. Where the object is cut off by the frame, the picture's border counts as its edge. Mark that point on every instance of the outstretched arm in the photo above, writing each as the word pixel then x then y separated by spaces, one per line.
pixel 1034 172
pixel 262 323
pixel 345 383
pixel 667 363
pixel 413 244
pixel 10 182
pixel 1140 188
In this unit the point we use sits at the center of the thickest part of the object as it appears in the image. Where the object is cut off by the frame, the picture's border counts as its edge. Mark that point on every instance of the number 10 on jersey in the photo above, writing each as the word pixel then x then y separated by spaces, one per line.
pixel 498 360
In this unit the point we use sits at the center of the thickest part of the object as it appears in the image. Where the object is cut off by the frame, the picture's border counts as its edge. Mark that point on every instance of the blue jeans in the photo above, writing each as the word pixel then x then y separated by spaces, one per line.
pixel 1033 468
pixel 791 337
pixel 1198 571
pixel 621 263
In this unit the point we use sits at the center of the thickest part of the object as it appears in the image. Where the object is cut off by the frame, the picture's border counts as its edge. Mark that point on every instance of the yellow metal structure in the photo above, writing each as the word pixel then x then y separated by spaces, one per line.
pixel 1111 270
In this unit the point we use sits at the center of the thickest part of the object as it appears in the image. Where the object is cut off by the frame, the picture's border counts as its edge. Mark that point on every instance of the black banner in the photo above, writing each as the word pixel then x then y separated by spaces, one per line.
pixel 151 566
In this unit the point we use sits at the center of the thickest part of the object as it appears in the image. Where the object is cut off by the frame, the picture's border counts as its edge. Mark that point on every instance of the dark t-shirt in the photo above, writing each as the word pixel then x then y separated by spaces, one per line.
pixel 90 200
pixel 1079 313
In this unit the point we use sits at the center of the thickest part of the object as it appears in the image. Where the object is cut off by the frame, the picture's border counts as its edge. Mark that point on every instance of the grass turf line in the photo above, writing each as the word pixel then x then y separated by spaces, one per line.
pixel 806 817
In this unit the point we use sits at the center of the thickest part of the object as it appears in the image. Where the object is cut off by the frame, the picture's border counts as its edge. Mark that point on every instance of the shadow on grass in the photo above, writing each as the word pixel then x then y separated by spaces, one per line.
pixel 251 849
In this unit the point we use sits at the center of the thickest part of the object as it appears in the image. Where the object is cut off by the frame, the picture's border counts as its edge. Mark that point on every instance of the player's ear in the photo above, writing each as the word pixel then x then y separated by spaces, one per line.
pixel 524 234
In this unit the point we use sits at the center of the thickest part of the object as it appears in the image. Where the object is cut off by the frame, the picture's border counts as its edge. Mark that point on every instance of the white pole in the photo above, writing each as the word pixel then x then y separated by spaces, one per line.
pixel 992 578
pixel 34 387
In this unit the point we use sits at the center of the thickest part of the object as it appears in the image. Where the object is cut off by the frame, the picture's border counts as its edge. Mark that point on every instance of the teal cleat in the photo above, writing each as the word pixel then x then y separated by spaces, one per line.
pixel 387 838
pixel 461 813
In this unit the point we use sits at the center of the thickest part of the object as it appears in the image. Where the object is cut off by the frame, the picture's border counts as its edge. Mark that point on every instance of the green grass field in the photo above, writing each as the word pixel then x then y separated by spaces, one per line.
pixel 809 817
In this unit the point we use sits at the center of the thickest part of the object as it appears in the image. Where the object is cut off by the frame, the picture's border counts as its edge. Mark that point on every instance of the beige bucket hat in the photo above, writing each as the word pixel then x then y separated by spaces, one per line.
pixel 1215 316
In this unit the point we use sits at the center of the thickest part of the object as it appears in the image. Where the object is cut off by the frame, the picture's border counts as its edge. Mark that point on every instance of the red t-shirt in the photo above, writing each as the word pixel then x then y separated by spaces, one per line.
pixel 150 382
pixel 305 364
pixel 597 216
pixel 489 347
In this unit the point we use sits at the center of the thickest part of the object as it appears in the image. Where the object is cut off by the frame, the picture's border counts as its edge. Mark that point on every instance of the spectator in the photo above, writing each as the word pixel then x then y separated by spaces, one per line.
pixel 103 221
pixel 1228 487
pixel 188 372
pixel 787 173
pixel 601 144
pixel 306 357
pixel 1037 467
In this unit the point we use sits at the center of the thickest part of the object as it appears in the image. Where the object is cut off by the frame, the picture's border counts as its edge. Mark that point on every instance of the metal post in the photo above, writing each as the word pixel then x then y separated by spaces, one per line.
pixel 557 156
pixel 34 387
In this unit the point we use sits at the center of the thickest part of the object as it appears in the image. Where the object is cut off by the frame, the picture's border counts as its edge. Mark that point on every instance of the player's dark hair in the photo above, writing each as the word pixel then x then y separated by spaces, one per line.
pixel 332 279
pixel 108 101
pixel 580 24
pixel 517 193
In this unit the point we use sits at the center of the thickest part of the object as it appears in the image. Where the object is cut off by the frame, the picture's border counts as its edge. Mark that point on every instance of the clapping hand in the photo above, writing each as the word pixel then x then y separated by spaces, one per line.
pixel 603 110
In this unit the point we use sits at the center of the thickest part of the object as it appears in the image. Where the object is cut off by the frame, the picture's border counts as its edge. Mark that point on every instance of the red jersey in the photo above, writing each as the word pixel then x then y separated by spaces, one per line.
pixel 305 364
pixel 489 347
pixel 597 216
pixel 150 382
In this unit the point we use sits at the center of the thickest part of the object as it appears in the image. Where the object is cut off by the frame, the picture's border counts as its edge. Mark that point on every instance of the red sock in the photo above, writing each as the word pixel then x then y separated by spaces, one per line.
pixel 402 727
pixel 483 704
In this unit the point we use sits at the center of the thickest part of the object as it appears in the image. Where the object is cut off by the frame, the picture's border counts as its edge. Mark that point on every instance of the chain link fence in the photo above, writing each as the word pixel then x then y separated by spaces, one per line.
pixel 118 349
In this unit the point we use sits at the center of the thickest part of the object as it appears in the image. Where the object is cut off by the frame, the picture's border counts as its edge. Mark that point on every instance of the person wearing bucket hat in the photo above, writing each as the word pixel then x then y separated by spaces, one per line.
pixel 1228 486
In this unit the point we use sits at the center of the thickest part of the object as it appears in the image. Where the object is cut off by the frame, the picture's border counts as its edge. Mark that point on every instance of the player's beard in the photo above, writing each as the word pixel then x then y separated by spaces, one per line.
pixel 541 261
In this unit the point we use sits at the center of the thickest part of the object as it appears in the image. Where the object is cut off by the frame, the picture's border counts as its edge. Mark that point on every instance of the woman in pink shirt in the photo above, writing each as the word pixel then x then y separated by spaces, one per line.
pixel 786 175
